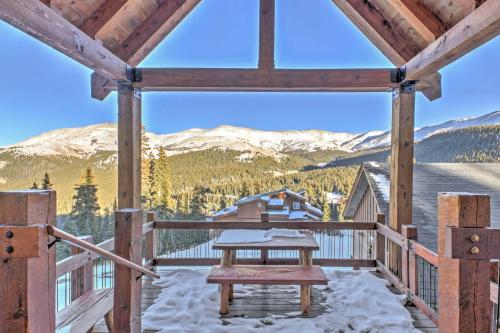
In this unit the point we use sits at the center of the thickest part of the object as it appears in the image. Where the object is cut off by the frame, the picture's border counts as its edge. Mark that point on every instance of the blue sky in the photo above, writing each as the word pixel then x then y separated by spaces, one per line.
pixel 42 89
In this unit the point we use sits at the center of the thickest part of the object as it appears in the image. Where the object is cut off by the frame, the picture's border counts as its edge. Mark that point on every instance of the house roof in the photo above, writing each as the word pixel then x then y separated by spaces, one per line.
pixel 266 197
pixel 428 180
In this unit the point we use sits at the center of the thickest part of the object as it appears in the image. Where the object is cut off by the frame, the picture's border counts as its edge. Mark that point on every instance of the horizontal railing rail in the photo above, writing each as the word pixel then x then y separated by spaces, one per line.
pixel 326 225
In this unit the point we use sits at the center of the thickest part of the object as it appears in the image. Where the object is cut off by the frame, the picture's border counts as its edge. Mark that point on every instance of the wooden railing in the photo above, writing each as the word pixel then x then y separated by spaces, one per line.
pixel 419 271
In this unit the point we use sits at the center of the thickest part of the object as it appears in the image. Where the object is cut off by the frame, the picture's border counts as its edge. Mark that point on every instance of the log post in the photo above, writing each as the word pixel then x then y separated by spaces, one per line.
pixel 129 146
pixel 401 168
pixel 82 279
pixel 128 283
pixel 264 254
pixel 266 34
pixel 408 277
pixel 150 237
pixel 464 284
pixel 28 263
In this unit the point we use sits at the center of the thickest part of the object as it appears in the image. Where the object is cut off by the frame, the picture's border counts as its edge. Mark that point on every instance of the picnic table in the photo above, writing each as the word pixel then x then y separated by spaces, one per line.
pixel 229 272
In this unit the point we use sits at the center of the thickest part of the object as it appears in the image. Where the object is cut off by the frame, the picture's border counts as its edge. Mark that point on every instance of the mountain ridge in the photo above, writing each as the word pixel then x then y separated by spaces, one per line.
pixel 89 140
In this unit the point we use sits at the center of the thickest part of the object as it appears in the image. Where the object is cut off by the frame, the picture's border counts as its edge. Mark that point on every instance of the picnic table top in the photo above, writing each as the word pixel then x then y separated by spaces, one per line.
pixel 277 243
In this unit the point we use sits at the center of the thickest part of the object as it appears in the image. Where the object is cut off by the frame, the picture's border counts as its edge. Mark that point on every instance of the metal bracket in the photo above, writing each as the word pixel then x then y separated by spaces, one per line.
pixel 398 75
pixel 134 74
pixel 408 87
pixel 57 240
pixel 22 241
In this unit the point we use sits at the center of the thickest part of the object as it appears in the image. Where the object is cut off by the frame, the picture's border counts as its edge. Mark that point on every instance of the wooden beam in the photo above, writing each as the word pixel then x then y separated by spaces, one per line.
pixel 401 168
pixel 474 30
pixel 28 284
pixel 128 283
pixel 430 20
pixel 221 79
pixel 266 34
pixel 464 285
pixel 101 16
pixel 394 45
pixel 41 22
pixel 129 146
pixel 145 38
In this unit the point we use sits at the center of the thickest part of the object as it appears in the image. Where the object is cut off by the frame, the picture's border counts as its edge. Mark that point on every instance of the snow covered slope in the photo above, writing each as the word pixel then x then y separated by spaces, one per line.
pixel 384 138
pixel 86 141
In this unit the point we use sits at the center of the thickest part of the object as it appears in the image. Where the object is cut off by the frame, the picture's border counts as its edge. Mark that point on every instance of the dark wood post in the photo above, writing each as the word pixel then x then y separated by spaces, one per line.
pixel 129 146
pixel 82 279
pixel 266 34
pixel 28 264
pixel 381 246
pixel 128 283
pixel 150 237
pixel 401 168
pixel 264 254
pixel 408 277
pixel 464 284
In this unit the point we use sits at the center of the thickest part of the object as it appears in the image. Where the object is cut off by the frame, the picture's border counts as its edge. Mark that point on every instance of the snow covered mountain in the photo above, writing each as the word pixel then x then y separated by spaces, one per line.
pixel 86 141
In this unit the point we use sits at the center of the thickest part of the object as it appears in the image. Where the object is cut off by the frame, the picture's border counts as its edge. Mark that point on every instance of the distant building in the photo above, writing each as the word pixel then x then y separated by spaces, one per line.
pixel 280 205
pixel 370 193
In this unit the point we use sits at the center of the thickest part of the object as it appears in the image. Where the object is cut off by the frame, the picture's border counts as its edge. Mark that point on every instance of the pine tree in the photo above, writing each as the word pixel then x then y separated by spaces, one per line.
pixel 84 214
pixel 34 187
pixel 145 160
pixel 162 178
pixel 46 184
pixel 199 201
pixel 327 210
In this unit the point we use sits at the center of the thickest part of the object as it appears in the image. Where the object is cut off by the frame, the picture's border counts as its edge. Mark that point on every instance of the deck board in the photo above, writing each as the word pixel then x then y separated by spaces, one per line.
pixel 260 300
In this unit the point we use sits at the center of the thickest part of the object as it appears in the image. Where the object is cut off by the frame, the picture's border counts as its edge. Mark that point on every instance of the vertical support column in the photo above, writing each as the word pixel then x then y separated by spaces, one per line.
pixel 128 283
pixel 401 168
pixel 409 232
pixel 82 279
pixel 266 34
pixel 464 285
pixel 264 254
pixel 150 238
pixel 27 285
pixel 129 146
pixel 381 246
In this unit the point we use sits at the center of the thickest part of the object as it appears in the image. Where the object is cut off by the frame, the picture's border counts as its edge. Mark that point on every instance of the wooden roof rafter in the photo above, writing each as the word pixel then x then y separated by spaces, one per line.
pixel 101 16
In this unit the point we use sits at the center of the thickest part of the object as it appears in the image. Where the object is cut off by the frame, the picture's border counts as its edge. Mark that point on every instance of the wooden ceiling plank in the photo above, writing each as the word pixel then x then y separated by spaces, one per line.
pixel 474 30
pixel 41 22
pixel 431 21
pixel 101 16
pixel 153 30
pixel 261 80
pixel 266 34
pixel 363 18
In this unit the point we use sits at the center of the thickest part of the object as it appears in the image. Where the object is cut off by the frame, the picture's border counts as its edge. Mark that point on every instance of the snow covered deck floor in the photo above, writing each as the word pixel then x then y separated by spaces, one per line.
pixel 354 301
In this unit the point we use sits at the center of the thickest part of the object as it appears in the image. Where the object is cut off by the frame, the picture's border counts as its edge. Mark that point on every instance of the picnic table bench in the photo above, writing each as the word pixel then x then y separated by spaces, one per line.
pixel 305 274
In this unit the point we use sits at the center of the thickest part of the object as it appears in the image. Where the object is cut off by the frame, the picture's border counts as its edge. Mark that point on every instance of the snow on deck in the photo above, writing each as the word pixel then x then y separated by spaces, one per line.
pixel 354 301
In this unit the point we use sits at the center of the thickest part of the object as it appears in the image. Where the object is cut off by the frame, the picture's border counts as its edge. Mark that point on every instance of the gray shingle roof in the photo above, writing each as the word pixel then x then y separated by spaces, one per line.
pixel 428 180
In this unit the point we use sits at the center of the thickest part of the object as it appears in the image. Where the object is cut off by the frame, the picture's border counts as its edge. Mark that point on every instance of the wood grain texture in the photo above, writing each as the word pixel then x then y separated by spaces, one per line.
pixel 101 16
pixel 266 34
pixel 129 147
pixel 42 23
pixel 128 244
pixel 268 274
pixel 82 279
pixel 474 30
pixel 464 285
pixel 28 284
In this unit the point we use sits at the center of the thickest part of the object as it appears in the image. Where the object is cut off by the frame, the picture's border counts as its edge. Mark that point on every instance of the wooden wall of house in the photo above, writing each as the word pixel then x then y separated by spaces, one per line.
pixel 366 211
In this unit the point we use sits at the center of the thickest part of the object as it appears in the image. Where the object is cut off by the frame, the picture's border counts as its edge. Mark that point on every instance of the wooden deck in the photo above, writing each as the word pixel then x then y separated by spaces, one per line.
pixel 258 301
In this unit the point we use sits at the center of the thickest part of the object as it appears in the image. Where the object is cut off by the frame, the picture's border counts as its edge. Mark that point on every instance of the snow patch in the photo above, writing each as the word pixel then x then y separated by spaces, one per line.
pixel 3 180
pixel 356 301
pixel 255 236
pixel 333 197
pixel 383 185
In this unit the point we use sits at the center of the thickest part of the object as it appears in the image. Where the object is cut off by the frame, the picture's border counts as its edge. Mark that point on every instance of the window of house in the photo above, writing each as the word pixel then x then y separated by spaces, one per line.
pixel 296 205
pixel 259 204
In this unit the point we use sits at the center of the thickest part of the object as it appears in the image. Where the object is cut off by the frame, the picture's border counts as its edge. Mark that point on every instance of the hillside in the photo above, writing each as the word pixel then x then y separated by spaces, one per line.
pixel 473 144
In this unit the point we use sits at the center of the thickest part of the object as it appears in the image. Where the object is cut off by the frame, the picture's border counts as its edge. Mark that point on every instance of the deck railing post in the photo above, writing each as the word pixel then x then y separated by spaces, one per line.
pixel 82 279
pixel 128 283
pixel 408 277
pixel 381 242
pixel 464 284
pixel 264 254
pixel 28 262
pixel 150 237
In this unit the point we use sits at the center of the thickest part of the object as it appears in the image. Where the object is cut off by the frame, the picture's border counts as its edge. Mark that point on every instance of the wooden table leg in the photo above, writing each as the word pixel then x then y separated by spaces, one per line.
pixel 231 286
pixel 305 299
pixel 224 298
